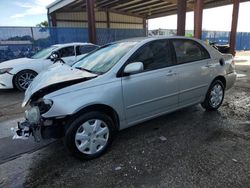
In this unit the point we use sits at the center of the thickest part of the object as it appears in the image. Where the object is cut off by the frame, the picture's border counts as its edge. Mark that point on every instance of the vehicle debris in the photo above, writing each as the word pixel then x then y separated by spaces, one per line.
pixel 118 168
pixel 163 138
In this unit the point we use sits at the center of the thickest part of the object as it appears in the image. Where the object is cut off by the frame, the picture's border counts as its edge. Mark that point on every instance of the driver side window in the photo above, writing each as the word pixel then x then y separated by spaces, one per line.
pixel 154 55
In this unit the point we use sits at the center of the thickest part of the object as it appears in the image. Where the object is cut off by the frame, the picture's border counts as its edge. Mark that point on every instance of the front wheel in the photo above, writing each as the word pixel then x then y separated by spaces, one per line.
pixel 23 79
pixel 214 96
pixel 89 135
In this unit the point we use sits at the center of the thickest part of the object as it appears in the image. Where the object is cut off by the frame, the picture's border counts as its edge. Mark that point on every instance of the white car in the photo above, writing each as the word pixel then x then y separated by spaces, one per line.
pixel 19 73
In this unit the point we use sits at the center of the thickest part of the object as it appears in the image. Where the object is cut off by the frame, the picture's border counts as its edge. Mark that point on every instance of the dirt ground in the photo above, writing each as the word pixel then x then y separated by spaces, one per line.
pixel 187 148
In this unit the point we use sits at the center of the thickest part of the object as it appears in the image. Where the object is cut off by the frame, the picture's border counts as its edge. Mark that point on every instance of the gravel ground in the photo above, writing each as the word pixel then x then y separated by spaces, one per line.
pixel 10 104
pixel 187 148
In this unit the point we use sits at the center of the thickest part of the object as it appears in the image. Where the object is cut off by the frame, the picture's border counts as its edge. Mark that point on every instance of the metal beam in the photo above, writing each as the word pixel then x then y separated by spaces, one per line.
pixel 236 5
pixel 156 9
pixel 123 3
pixel 140 5
pixel 106 3
pixel 181 17
pixel 198 14
pixel 53 19
pixel 121 12
pixel 149 6
pixel 108 19
pixel 91 20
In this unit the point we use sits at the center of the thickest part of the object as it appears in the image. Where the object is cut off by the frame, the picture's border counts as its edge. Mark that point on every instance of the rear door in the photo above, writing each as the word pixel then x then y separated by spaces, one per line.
pixel 193 70
pixel 155 90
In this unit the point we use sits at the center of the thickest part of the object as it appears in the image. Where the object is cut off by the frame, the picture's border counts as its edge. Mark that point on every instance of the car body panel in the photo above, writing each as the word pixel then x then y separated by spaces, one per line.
pixel 191 89
pixel 57 73
pixel 156 92
pixel 149 93
pixel 7 83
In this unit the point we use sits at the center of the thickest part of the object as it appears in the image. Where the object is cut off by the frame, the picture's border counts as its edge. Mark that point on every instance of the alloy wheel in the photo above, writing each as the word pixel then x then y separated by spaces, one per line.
pixel 25 79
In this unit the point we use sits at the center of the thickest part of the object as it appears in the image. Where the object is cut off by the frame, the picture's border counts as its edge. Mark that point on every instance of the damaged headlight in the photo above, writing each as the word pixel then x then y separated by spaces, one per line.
pixel 44 105
pixel 5 70
pixel 33 115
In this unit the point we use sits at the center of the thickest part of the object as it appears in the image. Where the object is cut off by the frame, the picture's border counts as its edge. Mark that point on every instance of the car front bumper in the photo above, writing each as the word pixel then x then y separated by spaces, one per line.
pixel 6 81
pixel 25 129
pixel 45 129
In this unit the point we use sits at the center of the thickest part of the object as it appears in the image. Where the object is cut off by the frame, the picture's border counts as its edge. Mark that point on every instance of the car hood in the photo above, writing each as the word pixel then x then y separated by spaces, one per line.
pixel 56 77
pixel 15 62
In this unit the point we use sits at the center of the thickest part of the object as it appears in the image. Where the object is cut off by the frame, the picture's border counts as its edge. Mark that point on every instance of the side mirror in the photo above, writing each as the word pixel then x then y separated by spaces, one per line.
pixel 54 56
pixel 133 68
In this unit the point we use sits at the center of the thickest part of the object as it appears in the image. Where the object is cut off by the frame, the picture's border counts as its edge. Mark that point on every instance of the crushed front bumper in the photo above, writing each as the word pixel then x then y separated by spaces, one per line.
pixel 25 129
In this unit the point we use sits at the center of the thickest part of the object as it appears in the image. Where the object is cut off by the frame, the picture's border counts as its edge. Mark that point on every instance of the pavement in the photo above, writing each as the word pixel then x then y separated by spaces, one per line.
pixel 187 148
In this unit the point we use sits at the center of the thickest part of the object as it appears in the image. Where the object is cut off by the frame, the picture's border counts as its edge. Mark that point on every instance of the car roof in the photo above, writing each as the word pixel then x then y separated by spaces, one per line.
pixel 151 38
pixel 73 43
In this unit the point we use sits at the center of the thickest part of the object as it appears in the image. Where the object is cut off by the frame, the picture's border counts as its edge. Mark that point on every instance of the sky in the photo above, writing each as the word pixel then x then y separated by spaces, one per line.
pixel 23 12
pixel 32 12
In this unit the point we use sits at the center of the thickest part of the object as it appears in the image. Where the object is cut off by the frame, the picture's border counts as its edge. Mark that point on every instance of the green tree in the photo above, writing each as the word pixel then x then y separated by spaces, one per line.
pixel 43 24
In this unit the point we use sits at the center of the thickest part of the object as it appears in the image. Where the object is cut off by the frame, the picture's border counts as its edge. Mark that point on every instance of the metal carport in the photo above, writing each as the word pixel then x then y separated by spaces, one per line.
pixel 135 13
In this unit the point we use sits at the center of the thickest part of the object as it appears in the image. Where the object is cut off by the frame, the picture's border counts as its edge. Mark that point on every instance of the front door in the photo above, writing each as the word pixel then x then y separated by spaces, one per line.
pixel 68 55
pixel 155 90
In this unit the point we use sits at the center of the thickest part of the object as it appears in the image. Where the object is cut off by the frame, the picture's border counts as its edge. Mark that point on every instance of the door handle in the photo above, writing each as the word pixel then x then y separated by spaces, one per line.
pixel 208 65
pixel 171 73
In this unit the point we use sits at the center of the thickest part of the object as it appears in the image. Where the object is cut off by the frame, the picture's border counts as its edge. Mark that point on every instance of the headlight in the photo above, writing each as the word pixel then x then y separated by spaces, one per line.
pixel 6 70
pixel 44 105
pixel 33 115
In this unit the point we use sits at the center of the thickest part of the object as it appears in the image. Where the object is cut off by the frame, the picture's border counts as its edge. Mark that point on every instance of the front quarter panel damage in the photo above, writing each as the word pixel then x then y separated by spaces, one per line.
pixel 72 102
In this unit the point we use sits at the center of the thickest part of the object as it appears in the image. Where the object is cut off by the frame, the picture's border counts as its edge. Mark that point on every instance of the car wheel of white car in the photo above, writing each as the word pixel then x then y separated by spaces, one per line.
pixel 215 96
pixel 23 79
pixel 89 135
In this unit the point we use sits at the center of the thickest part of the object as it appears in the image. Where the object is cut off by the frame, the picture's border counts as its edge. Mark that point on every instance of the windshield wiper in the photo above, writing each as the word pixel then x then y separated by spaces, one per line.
pixel 90 71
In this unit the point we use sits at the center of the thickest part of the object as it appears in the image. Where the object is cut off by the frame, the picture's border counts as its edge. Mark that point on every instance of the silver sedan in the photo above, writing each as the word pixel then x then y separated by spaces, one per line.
pixel 122 84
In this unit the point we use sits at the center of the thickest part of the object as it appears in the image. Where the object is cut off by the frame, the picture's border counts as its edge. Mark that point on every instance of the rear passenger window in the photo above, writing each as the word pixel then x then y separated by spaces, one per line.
pixel 85 49
pixel 154 55
pixel 189 51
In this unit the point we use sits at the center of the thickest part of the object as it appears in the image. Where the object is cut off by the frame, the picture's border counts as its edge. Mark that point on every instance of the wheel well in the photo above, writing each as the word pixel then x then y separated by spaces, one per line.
pixel 222 79
pixel 109 111
pixel 13 80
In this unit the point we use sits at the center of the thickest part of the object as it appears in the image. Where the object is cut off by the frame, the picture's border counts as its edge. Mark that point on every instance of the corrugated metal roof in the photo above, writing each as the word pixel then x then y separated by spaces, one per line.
pixel 140 8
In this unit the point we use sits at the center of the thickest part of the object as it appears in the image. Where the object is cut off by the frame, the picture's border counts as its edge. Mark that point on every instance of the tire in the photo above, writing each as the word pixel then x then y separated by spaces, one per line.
pixel 214 96
pixel 89 144
pixel 23 79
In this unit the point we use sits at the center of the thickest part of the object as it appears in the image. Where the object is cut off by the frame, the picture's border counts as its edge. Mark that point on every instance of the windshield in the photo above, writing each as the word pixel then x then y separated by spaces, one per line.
pixel 43 53
pixel 103 59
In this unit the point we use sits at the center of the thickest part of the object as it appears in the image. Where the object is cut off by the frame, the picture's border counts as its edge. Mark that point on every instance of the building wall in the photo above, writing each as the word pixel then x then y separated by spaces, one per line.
pixel 79 19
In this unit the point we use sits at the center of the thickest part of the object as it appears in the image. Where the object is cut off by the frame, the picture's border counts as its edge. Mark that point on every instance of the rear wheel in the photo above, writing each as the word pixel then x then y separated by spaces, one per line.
pixel 23 79
pixel 214 96
pixel 90 135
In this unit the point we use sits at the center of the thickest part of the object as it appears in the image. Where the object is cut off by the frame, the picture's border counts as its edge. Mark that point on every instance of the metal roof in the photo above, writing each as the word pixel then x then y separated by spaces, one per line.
pixel 141 8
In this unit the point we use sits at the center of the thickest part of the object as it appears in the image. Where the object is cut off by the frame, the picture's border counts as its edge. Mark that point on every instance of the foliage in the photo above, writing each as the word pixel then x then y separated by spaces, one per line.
pixel 43 24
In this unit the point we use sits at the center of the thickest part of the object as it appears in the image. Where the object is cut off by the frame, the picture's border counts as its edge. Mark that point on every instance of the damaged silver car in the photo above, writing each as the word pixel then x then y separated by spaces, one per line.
pixel 122 84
